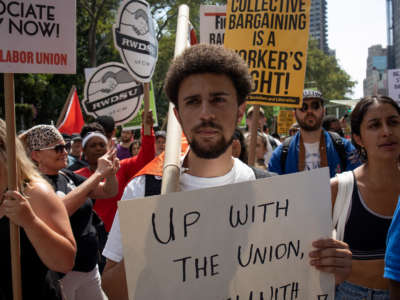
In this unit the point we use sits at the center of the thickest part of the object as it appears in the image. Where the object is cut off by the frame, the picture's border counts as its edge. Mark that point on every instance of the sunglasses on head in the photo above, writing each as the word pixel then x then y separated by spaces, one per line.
pixel 59 148
pixel 315 105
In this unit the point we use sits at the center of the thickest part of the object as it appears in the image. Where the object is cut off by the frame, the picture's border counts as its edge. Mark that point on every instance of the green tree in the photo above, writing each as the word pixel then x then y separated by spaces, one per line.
pixel 324 73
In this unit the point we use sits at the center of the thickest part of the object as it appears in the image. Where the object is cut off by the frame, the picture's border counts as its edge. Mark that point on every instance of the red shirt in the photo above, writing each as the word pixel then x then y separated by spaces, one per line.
pixel 106 208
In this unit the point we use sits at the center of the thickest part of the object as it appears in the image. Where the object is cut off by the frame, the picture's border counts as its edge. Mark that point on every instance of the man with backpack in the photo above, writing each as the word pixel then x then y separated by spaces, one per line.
pixel 313 147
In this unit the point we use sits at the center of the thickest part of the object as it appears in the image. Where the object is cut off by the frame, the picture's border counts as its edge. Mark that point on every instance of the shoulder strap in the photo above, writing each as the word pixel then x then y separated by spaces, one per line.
pixel 259 173
pixel 152 186
pixel 339 147
pixel 285 150
pixel 342 202
pixel 272 141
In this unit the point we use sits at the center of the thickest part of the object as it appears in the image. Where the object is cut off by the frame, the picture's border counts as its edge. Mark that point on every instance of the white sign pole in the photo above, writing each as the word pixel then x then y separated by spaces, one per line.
pixel 171 168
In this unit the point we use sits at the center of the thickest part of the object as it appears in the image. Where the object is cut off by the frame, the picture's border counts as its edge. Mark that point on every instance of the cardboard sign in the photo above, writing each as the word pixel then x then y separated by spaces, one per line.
pixel 111 90
pixel 135 38
pixel 136 122
pixel 212 24
pixel 272 37
pixel 37 36
pixel 394 84
pixel 285 121
pixel 249 240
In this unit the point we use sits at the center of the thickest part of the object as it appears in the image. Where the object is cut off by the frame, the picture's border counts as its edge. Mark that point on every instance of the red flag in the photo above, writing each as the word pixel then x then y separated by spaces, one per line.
pixel 73 118
pixel 192 35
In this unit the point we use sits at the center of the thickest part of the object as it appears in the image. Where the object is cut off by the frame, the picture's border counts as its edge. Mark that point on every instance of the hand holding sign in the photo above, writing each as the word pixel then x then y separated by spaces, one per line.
pixel 332 256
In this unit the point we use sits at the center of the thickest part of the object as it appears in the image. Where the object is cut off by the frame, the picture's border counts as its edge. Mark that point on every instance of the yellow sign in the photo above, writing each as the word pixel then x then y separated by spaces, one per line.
pixel 285 121
pixel 272 37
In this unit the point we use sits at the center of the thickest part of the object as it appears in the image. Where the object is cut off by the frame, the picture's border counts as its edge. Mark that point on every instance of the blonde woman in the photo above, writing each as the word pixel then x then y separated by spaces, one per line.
pixel 47 241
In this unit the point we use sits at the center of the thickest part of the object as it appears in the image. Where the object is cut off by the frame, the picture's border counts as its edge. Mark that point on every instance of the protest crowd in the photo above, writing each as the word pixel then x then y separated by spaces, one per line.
pixel 83 176
pixel 69 186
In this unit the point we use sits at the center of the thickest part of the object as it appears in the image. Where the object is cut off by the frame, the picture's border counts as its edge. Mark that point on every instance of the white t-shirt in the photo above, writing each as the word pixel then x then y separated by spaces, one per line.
pixel 136 188
pixel 313 158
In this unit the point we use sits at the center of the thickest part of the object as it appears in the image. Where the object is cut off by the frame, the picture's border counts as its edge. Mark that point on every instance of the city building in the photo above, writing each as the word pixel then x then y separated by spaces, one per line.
pixel 319 24
pixel 376 73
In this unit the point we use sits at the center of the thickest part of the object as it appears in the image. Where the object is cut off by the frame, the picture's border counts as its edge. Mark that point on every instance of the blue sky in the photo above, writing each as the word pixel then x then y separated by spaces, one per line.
pixel 353 26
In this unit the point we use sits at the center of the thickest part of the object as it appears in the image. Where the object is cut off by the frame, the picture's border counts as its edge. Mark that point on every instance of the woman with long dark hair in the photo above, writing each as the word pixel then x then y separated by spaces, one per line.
pixel 368 196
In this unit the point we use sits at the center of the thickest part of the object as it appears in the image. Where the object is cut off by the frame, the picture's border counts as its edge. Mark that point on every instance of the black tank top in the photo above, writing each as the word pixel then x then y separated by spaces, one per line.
pixel 33 271
pixel 365 230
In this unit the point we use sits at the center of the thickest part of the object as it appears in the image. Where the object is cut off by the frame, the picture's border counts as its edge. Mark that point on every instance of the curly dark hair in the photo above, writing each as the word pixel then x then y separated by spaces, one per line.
pixel 358 114
pixel 91 127
pixel 203 58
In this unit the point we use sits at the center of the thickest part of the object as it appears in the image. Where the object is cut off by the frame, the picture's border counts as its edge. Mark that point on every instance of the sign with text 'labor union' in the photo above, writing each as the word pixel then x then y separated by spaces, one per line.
pixel 37 36
pixel 272 37
pixel 243 241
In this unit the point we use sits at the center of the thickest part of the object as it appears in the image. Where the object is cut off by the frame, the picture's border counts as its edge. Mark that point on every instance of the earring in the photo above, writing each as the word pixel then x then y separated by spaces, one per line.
pixel 363 152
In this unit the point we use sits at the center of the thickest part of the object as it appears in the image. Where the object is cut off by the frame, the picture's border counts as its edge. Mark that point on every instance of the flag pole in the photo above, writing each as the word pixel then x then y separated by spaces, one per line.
pixel 12 183
pixel 253 134
pixel 146 127
pixel 171 169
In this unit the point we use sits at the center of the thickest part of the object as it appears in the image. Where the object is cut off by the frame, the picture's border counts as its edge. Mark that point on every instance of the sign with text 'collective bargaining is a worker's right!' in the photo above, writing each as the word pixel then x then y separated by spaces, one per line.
pixel 272 37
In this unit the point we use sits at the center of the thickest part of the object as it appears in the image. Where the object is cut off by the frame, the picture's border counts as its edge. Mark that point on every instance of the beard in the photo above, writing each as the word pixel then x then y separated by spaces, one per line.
pixel 210 151
pixel 306 127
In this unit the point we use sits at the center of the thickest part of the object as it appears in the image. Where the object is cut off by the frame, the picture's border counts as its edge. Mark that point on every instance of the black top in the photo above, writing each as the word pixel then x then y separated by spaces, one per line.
pixel 365 230
pixel 33 271
pixel 81 221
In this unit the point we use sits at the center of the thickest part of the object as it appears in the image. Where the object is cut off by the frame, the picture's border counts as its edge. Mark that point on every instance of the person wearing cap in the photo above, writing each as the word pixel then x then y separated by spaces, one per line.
pixel 123 148
pixel 76 149
pixel 262 122
pixel 313 147
pixel 47 149
pixel 271 142
pixel 161 137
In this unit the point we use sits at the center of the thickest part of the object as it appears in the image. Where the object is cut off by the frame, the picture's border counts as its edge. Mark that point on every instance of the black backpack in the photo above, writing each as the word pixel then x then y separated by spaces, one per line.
pixel 337 143
pixel 153 183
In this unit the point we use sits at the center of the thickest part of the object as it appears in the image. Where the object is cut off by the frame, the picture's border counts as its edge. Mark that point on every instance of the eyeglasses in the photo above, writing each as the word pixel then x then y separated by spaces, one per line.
pixel 59 148
pixel 315 105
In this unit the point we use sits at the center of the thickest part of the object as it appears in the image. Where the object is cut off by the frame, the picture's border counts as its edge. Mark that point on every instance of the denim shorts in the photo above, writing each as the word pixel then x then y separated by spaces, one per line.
pixel 350 291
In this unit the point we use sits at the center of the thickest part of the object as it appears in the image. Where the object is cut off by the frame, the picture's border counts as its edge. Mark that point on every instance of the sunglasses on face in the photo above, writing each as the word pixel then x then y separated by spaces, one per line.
pixel 59 148
pixel 315 105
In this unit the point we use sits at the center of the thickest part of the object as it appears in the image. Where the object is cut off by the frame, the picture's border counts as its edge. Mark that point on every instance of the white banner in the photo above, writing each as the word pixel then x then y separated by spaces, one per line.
pixel 212 24
pixel 249 240
pixel 394 84
pixel 37 36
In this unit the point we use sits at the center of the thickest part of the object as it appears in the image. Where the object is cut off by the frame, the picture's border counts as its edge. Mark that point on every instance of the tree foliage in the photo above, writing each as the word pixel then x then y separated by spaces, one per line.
pixel 324 73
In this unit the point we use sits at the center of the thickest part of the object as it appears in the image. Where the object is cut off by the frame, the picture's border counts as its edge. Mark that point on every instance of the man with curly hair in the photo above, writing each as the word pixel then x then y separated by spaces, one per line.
pixel 208 85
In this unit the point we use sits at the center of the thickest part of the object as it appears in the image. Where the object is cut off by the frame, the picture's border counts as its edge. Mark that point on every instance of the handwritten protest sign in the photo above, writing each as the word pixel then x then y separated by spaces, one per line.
pixel 212 24
pixel 271 36
pixel 37 36
pixel 244 241
pixel 111 90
